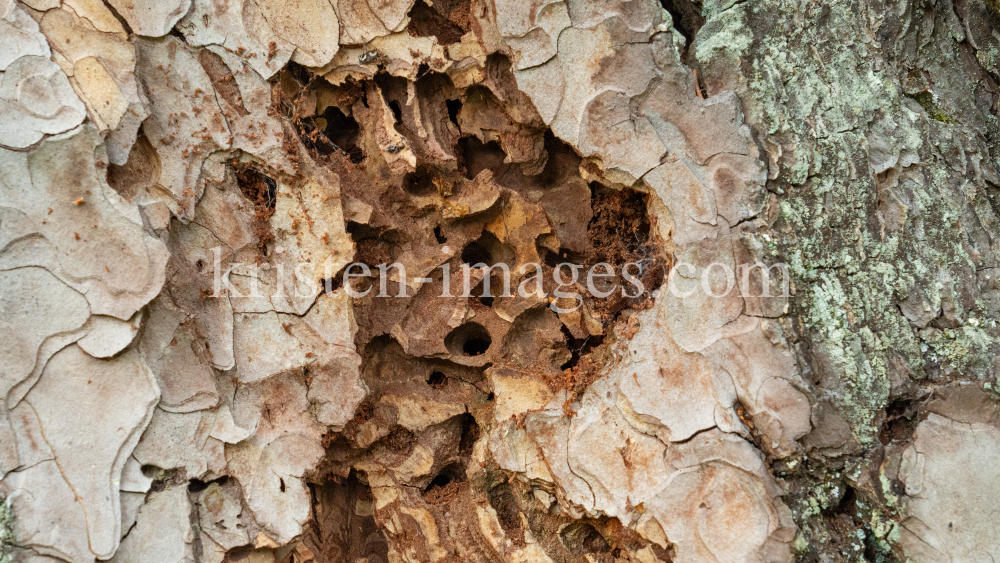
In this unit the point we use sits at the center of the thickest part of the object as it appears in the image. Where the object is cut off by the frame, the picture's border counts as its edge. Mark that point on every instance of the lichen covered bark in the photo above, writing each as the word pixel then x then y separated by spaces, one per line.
pixel 207 356
pixel 880 126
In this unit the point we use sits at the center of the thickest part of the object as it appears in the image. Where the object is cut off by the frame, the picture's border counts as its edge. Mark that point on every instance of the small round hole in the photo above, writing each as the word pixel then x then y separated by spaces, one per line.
pixel 437 380
pixel 441 480
pixel 470 339
pixel 581 538
pixel 420 183
pixel 476 346
pixel 445 485
pixel 451 473
pixel 475 253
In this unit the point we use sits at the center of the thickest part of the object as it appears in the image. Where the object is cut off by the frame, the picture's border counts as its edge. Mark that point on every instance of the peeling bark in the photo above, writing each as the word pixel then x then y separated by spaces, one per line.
pixel 289 282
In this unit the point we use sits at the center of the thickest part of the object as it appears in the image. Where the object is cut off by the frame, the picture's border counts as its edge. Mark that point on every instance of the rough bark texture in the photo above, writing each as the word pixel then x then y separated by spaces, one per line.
pixel 153 412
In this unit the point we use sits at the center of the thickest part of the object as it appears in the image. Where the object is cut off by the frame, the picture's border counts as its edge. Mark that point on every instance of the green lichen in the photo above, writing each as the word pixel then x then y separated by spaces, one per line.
pixel 887 491
pixel 875 211
pixel 838 113
pixel 6 532
pixel 992 387
pixel 848 347
pixel 822 497
pixel 730 37
pixel 713 7
pixel 939 116
pixel 801 544
pixel 926 100
pixel 962 350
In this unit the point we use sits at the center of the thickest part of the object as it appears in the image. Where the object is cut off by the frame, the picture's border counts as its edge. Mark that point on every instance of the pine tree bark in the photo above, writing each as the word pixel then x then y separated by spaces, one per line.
pixel 478 281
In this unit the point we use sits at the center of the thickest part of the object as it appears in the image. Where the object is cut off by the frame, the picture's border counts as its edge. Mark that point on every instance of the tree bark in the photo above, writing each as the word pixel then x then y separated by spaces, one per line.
pixel 481 281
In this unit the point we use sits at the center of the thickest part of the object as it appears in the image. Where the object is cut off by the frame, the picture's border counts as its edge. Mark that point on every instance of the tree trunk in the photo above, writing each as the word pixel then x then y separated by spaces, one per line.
pixel 471 281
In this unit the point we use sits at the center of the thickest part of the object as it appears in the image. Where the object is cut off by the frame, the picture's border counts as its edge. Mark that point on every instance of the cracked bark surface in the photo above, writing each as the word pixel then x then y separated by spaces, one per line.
pixel 155 411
